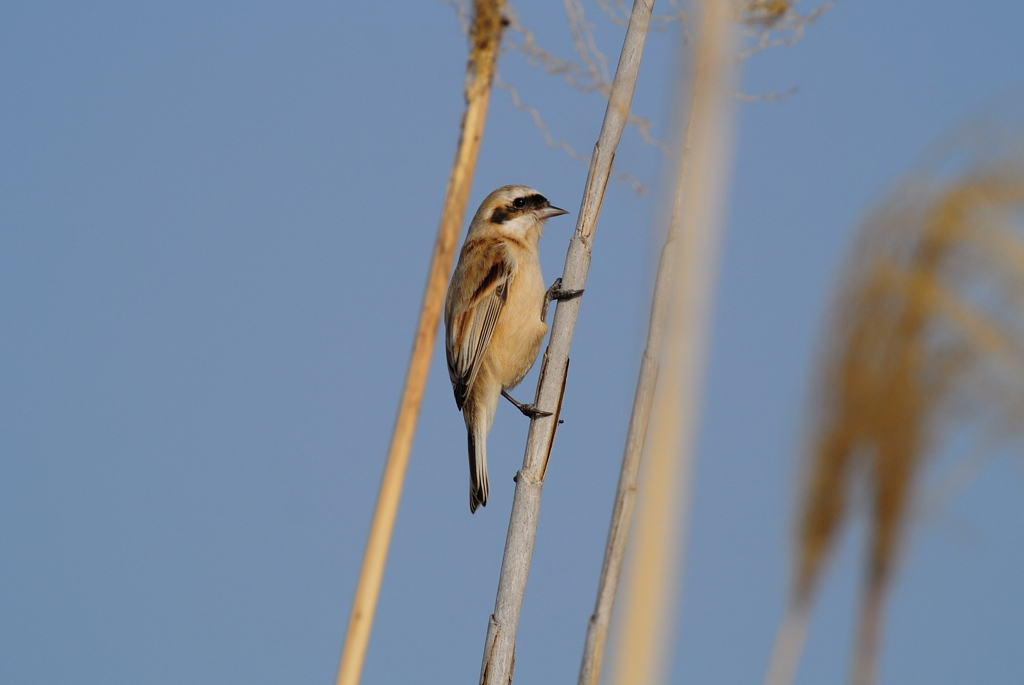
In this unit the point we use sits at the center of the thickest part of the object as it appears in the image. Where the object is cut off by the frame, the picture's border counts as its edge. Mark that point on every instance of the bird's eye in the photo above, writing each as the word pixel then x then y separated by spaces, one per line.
pixel 519 203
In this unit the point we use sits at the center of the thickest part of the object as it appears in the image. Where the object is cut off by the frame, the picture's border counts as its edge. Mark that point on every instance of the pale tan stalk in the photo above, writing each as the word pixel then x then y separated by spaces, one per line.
pixel 789 643
pixel 499 647
pixel 869 634
pixel 485 38
pixel 654 576
pixel 643 399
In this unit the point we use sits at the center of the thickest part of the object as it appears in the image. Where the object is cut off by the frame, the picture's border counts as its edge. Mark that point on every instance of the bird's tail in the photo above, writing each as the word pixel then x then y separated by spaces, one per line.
pixel 478 485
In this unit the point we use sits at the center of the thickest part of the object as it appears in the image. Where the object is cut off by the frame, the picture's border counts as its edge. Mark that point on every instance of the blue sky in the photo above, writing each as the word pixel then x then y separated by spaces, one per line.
pixel 215 223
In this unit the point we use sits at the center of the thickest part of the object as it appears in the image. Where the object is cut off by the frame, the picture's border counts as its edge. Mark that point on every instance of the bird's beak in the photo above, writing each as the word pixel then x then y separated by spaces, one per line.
pixel 548 212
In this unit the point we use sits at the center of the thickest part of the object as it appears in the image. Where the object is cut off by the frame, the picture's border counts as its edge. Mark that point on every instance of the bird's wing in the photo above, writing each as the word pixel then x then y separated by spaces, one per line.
pixel 472 312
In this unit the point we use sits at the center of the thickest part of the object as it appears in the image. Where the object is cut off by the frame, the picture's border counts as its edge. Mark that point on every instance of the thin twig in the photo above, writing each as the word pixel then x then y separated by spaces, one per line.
pixel 629 179
pixel 485 39
pixel 537 120
pixel 590 77
pixel 772 28
pixel 619 14
pixel 499 647
pixel 773 96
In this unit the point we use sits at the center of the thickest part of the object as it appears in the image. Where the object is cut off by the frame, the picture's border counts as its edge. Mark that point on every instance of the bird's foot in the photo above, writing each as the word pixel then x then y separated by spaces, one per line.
pixel 527 409
pixel 556 292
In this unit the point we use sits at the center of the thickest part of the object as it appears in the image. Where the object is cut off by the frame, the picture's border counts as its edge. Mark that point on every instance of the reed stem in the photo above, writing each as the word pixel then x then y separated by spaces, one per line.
pixel 499 647
pixel 655 573
pixel 485 38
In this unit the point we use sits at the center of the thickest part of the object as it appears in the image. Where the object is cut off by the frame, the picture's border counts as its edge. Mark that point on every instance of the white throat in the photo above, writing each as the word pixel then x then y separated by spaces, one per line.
pixel 524 227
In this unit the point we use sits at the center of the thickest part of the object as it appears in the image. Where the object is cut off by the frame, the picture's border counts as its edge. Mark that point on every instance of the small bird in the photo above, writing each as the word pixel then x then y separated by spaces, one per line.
pixel 494 315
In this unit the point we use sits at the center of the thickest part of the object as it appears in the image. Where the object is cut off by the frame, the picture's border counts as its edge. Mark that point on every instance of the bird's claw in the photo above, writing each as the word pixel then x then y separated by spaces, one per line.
pixel 529 410
pixel 556 292
pixel 532 411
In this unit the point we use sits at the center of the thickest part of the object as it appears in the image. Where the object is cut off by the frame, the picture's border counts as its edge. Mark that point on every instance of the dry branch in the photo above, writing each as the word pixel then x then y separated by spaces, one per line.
pixel 499 647
pixel 485 39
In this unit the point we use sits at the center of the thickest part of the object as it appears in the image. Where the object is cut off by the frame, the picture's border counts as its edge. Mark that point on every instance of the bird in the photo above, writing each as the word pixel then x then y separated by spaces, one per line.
pixel 495 315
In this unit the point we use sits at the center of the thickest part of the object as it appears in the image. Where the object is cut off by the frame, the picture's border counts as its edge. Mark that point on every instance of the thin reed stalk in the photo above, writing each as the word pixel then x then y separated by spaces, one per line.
pixel 499 647
pixel 789 643
pixel 485 39
pixel 647 381
pixel 654 576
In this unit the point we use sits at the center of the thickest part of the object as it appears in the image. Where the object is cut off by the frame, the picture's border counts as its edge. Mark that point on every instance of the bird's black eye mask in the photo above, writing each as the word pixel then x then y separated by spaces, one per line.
pixel 518 207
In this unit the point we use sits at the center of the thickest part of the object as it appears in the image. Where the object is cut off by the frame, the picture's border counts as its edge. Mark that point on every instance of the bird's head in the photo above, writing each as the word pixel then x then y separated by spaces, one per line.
pixel 516 211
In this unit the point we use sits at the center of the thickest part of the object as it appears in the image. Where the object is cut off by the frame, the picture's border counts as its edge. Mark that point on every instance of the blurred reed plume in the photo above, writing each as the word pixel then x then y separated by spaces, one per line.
pixel 925 344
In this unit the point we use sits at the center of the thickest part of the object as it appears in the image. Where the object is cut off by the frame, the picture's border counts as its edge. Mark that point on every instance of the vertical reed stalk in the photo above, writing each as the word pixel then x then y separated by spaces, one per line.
pixel 625 495
pixel 789 643
pixel 869 635
pixel 499 647
pixel 485 39
pixel 654 577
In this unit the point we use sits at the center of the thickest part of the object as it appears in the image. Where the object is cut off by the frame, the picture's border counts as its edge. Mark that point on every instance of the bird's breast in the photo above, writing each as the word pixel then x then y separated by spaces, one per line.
pixel 519 331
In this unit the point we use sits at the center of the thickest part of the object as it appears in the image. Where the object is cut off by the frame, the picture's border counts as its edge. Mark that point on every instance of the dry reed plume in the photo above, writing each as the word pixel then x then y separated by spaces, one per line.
pixel 926 338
